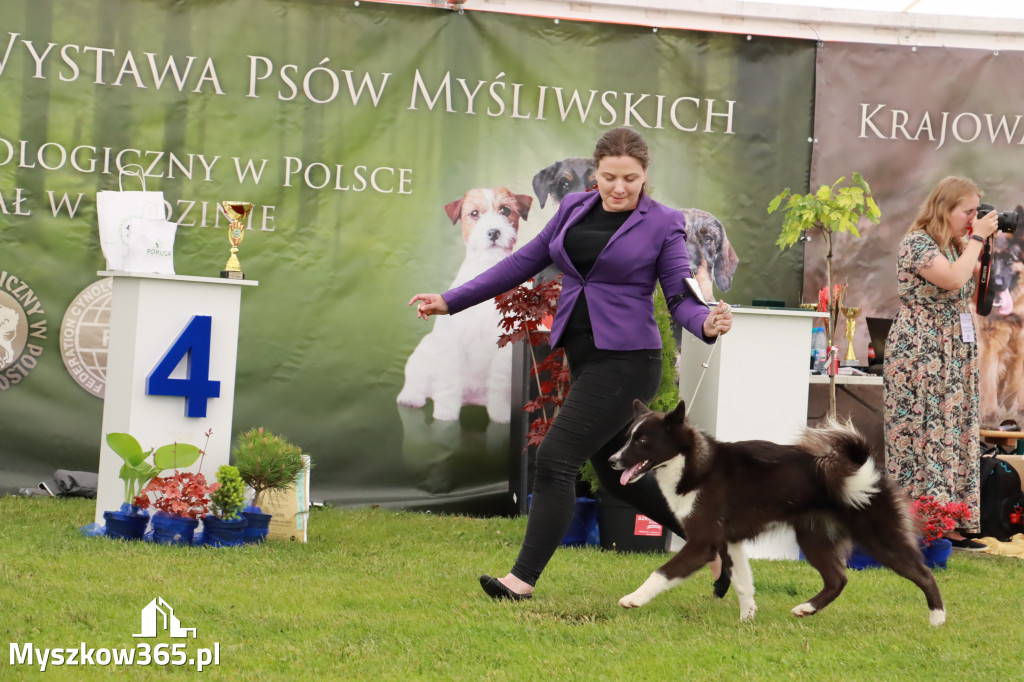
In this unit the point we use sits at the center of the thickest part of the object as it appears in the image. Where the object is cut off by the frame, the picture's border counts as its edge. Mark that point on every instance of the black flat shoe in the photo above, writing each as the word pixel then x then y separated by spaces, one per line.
pixel 495 589
pixel 721 585
pixel 969 545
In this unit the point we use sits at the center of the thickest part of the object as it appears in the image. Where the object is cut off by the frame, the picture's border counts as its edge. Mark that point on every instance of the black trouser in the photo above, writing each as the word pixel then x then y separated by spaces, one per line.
pixel 592 424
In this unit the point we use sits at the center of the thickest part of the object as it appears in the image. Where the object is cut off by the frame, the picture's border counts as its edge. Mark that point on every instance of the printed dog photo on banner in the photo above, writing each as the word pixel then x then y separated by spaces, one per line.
pixel 1001 335
pixel 712 257
pixel 565 176
pixel 458 362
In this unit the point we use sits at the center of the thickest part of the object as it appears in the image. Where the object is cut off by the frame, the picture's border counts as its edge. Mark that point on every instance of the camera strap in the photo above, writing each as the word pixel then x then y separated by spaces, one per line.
pixel 986 295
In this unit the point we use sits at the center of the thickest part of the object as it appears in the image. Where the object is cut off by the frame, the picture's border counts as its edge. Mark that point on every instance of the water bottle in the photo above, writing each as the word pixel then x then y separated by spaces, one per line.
pixel 819 349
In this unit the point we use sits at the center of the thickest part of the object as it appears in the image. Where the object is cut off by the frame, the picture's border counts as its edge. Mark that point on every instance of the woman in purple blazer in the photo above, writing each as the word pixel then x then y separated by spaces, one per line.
pixel 612 246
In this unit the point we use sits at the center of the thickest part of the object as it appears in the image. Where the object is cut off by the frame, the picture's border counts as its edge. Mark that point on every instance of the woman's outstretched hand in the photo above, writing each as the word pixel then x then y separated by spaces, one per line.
pixel 430 304
pixel 718 321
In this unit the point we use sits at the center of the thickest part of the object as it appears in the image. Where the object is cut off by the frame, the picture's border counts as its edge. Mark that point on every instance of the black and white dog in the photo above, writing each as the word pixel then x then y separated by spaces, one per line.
pixel 829 487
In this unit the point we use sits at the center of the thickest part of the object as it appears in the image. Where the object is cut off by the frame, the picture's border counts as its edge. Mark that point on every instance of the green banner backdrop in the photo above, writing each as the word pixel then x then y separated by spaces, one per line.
pixel 350 126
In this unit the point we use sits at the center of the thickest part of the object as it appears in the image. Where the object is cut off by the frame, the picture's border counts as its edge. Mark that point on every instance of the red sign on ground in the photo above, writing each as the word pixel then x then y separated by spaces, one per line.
pixel 645 526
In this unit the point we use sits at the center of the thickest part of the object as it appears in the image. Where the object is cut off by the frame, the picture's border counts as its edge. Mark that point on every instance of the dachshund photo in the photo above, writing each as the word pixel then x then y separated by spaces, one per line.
pixel 712 258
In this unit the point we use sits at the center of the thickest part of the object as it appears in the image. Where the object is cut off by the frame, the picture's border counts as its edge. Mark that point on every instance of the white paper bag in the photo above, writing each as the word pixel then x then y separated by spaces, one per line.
pixel 289 509
pixel 150 246
pixel 115 211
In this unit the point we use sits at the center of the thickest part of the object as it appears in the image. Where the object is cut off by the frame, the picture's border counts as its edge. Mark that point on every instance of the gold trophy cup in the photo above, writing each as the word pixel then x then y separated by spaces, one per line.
pixel 851 315
pixel 236 212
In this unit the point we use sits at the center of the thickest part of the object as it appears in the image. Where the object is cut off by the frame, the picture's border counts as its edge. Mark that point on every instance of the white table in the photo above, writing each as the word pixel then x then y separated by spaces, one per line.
pixel 755 388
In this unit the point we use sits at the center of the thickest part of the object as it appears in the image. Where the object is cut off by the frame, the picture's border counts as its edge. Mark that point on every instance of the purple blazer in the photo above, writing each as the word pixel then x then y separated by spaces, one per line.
pixel 650 246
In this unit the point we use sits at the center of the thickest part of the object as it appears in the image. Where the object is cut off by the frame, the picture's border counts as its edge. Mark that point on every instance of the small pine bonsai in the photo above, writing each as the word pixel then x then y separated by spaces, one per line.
pixel 229 498
pixel 266 462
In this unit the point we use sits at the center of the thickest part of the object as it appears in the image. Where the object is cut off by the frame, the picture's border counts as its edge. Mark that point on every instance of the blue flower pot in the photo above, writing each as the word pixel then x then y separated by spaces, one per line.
pixel 583 530
pixel 257 525
pixel 125 524
pixel 223 532
pixel 859 559
pixel 935 555
pixel 173 530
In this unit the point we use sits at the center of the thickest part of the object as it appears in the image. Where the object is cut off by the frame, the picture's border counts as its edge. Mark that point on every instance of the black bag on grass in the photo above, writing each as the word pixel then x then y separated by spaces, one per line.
pixel 1002 501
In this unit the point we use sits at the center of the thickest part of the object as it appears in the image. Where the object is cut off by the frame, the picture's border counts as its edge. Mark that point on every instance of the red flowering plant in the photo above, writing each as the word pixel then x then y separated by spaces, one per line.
pixel 183 494
pixel 934 518
pixel 524 311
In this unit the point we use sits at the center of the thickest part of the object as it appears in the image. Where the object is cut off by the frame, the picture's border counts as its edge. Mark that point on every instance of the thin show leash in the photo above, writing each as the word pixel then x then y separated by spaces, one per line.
pixel 705 364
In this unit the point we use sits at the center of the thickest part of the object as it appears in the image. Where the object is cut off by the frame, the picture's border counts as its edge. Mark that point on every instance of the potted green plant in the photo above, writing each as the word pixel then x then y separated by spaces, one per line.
pixel 225 527
pixel 265 463
pixel 129 522
pixel 833 208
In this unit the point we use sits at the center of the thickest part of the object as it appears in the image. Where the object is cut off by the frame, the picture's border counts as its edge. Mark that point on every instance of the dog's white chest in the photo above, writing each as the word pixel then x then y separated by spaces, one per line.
pixel 668 476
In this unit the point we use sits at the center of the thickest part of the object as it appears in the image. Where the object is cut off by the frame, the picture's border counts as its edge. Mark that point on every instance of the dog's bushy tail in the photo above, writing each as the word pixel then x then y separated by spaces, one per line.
pixel 850 471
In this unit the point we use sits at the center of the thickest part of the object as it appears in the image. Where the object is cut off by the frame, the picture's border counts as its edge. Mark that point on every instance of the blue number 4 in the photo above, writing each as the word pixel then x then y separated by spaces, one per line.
pixel 192 345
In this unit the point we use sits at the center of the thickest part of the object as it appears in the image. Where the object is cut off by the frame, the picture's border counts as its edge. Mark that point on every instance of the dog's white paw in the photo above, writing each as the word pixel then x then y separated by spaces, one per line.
pixel 748 611
pixel 631 601
pixel 804 609
pixel 937 617
pixel 410 399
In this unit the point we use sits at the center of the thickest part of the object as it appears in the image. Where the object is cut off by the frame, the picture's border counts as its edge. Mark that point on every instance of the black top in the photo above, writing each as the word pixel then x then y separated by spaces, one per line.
pixel 584 242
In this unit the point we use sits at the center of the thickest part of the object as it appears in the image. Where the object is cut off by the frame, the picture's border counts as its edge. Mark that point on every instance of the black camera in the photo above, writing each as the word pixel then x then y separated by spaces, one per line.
pixel 1008 220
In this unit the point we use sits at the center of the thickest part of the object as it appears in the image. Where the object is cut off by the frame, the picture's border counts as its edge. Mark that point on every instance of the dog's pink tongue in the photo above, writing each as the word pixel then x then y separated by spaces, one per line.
pixel 628 474
pixel 1005 303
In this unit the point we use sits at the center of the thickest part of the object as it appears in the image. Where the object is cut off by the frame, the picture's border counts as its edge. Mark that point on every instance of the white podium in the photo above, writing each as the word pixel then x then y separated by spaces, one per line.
pixel 755 388
pixel 170 369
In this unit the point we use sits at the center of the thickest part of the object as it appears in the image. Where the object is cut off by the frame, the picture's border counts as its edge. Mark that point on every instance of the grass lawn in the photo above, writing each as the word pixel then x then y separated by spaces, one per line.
pixel 388 595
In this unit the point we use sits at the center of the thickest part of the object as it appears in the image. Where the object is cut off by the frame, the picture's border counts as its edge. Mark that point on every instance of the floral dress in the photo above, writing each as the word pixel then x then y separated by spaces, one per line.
pixel 931 386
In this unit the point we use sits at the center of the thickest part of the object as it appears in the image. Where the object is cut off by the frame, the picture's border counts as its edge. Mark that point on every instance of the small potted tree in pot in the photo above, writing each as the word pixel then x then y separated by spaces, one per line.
pixel 832 209
pixel 266 463
pixel 225 527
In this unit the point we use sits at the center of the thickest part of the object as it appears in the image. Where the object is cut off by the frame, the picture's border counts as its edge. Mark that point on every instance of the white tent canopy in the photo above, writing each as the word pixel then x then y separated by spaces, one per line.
pixel 999 9
pixel 984 24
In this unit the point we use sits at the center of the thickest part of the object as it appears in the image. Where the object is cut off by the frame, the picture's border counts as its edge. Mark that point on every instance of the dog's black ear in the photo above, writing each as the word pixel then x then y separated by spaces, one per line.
pixel 542 181
pixel 454 210
pixel 639 409
pixel 676 417
pixel 725 264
